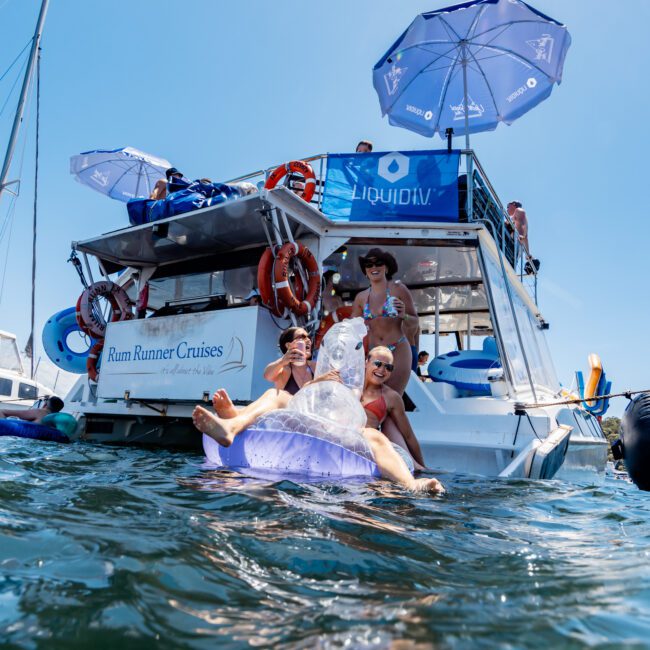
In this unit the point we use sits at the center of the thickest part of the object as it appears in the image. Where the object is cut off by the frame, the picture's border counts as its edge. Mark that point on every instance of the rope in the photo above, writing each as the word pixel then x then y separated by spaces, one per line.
pixel 595 398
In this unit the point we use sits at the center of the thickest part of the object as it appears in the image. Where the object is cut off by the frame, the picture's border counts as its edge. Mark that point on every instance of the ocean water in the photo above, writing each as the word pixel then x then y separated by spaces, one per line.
pixel 126 548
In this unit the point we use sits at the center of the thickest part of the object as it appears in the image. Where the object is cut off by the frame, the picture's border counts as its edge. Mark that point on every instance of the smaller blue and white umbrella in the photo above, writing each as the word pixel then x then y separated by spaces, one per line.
pixel 470 67
pixel 122 174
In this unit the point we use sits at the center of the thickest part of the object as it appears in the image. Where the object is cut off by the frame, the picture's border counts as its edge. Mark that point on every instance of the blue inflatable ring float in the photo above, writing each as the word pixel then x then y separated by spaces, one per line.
pixel 23 429
pixel 466 370
pixel 56 331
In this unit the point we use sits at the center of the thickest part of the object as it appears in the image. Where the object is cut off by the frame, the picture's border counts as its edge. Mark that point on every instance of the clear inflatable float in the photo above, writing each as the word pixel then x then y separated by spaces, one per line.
pixel 319 433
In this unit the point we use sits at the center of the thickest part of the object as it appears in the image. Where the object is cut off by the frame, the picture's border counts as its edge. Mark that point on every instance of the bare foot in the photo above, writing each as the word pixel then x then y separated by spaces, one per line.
pixel 432 485
pixel 223 404
pixel 218 429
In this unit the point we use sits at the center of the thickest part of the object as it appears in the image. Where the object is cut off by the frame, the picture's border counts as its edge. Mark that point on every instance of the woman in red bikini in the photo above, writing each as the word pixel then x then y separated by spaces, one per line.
pixel 385 306
pixel 385 408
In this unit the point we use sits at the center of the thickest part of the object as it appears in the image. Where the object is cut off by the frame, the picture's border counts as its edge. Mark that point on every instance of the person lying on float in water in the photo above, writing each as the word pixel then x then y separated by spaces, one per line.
pixel 51 405
pixel 386 306
pixel 385 408
pixel 230 421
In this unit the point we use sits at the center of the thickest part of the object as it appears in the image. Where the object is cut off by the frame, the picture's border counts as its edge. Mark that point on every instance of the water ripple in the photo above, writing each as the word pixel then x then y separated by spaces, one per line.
pixel 124 548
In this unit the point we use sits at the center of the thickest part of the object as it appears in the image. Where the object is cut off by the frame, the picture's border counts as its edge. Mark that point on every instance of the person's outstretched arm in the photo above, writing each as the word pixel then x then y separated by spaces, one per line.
pixel 396 411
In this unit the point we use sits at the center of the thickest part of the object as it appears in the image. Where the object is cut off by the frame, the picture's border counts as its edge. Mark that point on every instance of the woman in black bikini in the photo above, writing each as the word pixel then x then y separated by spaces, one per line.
pixel 385 306
pixel 294 368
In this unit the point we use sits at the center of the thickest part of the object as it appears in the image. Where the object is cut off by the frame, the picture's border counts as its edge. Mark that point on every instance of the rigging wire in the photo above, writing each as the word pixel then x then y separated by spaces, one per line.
pixel 9 220
pixel 11 65
pixel 19 76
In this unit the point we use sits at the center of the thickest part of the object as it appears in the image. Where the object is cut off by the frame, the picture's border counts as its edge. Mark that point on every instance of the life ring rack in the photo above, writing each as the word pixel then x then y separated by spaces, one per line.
pixel 298 167
pixel 273 283
pixel 286 296
pixel 86 311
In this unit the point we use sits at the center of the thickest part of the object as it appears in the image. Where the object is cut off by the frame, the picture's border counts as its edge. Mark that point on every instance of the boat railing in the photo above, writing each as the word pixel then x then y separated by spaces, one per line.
pixel 478 202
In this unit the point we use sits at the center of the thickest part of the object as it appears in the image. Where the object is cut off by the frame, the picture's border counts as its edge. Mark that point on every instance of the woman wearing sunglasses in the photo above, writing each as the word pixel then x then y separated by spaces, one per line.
pixel 385 408
pixel 385 307
pixel 294 368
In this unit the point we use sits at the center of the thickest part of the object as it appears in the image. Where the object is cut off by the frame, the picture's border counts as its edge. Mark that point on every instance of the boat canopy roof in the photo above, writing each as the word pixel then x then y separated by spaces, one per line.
pixel 216 230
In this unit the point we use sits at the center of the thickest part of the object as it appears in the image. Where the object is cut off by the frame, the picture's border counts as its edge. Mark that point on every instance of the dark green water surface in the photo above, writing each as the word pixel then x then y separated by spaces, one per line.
pixel 125 548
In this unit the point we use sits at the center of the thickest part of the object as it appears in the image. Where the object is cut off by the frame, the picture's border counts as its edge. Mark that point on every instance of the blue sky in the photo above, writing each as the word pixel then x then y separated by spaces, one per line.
pixel 221 88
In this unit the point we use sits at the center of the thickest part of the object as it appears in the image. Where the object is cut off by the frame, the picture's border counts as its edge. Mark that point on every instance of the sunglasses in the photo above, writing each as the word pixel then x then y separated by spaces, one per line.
pixel 371 264
pixel 301 337
pixel 378 364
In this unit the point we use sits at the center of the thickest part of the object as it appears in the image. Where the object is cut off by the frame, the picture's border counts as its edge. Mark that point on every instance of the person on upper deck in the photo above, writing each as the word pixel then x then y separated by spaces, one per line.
pixel 51 405
pixel 161 188
pixel 520 222
pixel 385 307
pixel 365 146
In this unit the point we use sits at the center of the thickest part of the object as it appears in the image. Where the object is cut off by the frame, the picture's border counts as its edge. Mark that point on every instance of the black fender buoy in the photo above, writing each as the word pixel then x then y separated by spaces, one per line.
pixel 635 436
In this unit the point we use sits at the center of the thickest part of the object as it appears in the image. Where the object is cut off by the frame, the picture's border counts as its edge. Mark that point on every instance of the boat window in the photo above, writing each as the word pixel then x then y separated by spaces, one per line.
pixel 505 318
pixel 448 276
pixel 233 284
pixel 5 386
pixel 541 366
pixel 27 391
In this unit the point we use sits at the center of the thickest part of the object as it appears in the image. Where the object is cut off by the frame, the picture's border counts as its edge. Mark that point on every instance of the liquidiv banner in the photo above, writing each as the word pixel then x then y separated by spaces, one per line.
pixel 396 186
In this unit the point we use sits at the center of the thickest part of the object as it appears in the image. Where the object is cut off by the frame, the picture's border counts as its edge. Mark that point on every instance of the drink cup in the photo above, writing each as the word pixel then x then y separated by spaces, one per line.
pixel 392 309
pixel 300 345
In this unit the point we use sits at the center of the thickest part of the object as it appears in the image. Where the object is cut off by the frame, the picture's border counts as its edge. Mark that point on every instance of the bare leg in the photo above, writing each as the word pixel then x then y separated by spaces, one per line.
pixel 402 356
pixel 224 430
pixel 393 467
pixel 223 405
pixel 390 430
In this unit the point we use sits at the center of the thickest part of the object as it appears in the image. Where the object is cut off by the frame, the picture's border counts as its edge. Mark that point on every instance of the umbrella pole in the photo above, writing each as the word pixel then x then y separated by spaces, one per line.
pixel 469 163
pixel 464 61
pixel 137 185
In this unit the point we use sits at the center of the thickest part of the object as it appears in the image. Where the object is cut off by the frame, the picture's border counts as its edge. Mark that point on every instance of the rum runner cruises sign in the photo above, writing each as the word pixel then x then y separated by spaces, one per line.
pixel 183 357
pixel 394 186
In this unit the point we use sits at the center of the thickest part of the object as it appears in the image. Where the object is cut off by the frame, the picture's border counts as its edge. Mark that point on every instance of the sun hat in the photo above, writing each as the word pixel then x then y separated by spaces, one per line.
pixel 381 256
pixel 252 294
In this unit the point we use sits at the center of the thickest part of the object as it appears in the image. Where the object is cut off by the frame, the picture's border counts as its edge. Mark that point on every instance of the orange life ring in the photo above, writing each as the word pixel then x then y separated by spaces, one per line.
pixel 265 282
pixel 116 297
pixel 333 317
pixel 93 359
pixel 297 304
pixel 298 167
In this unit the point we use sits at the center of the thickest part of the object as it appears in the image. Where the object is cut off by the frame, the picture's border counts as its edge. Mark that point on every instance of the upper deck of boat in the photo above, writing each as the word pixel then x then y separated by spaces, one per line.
pixel 243 227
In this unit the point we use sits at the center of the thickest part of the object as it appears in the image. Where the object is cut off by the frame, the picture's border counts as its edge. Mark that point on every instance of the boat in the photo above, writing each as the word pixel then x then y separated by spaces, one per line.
pixel 437 213
pixel 17 389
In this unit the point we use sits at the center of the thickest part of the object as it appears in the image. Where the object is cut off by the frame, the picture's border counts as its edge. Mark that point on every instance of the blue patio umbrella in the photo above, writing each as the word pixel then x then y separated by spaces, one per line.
pixel 122 174
pixel 470 67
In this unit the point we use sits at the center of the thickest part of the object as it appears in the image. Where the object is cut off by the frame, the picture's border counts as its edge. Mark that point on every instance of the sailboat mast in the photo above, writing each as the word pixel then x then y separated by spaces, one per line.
pixel 31 64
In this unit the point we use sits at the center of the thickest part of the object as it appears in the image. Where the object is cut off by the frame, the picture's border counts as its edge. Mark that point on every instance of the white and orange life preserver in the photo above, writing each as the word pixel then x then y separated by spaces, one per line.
pixel 297 167
pixel 341 313
pixel 301 306
pixel 86 311
pixel 265 283
pixel 93 359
